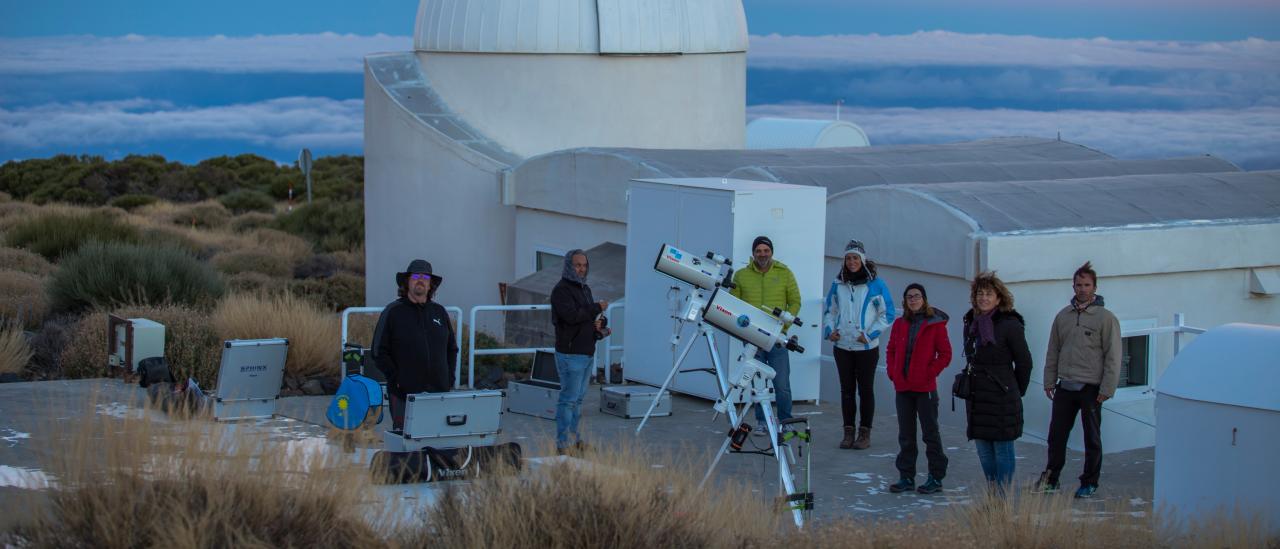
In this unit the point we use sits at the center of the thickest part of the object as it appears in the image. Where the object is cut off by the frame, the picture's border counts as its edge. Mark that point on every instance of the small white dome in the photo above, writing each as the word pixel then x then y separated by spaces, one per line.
pixel 581 26
pixel 800 133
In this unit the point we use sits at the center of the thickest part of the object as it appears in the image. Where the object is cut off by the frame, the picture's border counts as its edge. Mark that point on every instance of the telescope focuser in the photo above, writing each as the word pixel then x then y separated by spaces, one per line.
pixel 787 317
pixel 793 344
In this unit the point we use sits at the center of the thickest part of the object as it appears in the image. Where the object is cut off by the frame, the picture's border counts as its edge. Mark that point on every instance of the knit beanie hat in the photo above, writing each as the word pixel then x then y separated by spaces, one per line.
pixel 917 286
pixel 761 240
pixel 855 247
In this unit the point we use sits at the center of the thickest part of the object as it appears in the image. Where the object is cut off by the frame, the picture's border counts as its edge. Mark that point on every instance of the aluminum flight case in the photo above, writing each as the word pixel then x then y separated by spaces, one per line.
pixel 538 395
pixel 447 420
pixel 632 401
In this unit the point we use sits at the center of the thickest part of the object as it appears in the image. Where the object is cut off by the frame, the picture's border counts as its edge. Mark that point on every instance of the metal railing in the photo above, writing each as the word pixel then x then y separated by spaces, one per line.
pixel 1178 328
pixel 471 337
pixel 608 346
pixel 457 334
pixel 605 344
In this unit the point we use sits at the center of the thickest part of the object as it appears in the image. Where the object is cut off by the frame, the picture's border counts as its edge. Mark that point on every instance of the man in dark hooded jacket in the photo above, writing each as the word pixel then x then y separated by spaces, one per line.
pixel 578 324
pixel 413 343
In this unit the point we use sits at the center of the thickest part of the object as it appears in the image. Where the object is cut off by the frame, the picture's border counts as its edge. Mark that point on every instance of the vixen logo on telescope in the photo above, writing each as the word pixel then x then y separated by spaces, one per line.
pixel 253 368
pixel 724 310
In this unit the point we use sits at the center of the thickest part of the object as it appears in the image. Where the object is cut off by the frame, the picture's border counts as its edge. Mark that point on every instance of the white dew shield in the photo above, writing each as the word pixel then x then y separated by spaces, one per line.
pixel 686 267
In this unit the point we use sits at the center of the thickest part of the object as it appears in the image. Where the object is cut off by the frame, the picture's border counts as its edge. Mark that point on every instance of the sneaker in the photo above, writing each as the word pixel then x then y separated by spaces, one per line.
pixel 1086 491
pixel 931 486
pixel 1044 486
pixel 760 430
pixel 905 484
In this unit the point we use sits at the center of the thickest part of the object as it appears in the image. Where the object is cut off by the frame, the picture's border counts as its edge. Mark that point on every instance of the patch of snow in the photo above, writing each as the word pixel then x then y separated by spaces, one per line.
pixel 883 455
pixel 13 437
pixel 863 478
pixel 22 477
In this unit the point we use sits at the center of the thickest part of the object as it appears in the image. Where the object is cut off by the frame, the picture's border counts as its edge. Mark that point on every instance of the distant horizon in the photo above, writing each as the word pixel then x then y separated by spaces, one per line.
pixel 202 80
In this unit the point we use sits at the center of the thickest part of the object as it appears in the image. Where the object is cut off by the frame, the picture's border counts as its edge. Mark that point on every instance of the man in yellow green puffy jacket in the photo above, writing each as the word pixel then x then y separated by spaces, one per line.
pixel 767 283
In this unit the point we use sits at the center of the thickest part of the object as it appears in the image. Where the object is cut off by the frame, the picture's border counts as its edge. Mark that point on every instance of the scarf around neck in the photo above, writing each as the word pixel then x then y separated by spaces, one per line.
pixel 984 328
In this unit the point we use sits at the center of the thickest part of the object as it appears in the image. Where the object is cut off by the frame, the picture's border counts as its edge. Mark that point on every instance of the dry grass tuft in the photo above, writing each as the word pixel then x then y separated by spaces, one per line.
pixel 22 298
pixel 14 259
pixel 312 333
pixel 248 221
pixel 14 351
pixel 139 482
pixel 616 500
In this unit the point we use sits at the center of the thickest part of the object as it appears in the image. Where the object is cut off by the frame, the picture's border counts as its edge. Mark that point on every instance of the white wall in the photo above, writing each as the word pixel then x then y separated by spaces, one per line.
pixel 1207 298
pixel 535 104
pixel 427 197
pixel 538 228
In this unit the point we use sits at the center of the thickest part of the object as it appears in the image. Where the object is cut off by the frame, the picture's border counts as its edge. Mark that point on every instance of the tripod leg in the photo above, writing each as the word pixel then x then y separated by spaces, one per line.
pixel 721 374
pixel 784 469
pixel 667 383
pixel 724 447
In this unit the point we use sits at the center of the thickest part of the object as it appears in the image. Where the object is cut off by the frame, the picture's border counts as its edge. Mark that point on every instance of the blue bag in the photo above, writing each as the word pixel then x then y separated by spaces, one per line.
pixel 357 398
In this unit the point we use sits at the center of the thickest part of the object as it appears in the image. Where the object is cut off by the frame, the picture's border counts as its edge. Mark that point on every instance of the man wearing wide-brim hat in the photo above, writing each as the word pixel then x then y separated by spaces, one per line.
pixel 413 344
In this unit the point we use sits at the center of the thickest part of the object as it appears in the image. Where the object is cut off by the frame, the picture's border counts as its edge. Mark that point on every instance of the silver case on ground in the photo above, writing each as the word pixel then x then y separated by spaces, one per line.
pixel 538 395
pixel 447 420
pixel 249 378
pixel 632 401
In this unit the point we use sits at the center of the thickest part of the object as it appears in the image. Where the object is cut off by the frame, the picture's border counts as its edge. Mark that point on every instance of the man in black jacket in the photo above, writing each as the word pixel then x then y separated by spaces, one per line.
pixel 578 323
pixel 414 343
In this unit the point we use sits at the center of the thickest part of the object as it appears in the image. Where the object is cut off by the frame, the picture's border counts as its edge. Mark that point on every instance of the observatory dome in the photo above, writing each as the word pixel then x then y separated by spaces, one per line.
pixel 580 26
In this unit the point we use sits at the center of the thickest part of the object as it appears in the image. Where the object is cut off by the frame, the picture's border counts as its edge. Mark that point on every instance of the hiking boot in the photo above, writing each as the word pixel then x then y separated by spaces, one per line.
pixel 581 448
pixel 905 484
pixel 847 442
pixel 931 486
pixel 1044 485
pixel 864 439
pixel 1086 491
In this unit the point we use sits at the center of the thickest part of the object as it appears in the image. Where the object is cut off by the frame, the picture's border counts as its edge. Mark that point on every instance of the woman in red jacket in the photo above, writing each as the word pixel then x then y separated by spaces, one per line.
pixel 918 351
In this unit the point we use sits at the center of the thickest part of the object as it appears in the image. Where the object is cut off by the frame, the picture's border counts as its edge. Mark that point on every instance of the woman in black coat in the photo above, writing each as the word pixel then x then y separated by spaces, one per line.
pixel 1000 362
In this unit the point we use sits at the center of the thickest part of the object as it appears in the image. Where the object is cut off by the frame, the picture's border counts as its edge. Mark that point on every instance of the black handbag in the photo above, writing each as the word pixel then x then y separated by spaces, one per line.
pixel 962 386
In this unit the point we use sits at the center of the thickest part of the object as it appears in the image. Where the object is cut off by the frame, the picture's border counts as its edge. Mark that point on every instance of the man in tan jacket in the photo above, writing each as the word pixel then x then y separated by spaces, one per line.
pixel 1081 371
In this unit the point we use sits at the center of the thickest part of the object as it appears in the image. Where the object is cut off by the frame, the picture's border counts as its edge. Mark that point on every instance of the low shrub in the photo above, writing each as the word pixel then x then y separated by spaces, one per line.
pixel 22 299
pixel 246 222
pixel 256 283
pixel 15 259
pixel 280 243
pixel 332 225
pixel 47 347
pixel 14 352
pixel 313 334
pixel 56 234
pixel 247 200
pixel 129 202
pixel 351 260
pixel 316 266
pixel 192 345
pixel 13 212
pixel 252 261
pixel 110 275
pixel 209 214
pixel 335 293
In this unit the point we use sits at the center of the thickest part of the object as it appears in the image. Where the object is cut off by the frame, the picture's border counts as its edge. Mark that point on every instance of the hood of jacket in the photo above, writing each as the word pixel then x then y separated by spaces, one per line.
pixel 571 275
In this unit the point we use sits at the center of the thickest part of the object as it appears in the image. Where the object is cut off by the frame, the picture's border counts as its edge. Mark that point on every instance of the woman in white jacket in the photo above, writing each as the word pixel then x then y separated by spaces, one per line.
pixel 857 310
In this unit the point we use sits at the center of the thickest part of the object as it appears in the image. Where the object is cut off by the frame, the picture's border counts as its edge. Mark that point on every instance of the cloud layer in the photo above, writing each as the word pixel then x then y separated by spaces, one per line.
pixel 1248 137
pixel 290 122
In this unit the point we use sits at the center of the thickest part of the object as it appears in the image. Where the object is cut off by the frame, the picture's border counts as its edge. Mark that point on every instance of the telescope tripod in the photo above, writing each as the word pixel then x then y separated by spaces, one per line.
pixel 705 332
pixel 799 503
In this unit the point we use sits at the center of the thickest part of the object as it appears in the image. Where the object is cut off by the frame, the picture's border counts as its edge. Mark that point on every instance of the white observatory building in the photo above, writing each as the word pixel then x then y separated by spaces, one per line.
pixel 492 82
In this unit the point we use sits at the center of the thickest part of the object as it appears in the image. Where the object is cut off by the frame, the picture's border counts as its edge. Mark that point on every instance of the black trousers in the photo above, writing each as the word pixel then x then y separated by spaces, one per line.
pixel 913 406
pixel 1065 406
pixel 397 411
pixel 857 371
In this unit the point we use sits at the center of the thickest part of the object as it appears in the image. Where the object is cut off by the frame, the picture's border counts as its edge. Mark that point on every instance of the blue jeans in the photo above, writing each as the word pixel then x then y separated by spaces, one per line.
pixel 778 358
pixel 573 370
pixel 997 460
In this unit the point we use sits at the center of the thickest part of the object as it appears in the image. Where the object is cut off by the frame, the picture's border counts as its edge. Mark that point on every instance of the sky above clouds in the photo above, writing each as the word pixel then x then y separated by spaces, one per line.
pixel 1134 78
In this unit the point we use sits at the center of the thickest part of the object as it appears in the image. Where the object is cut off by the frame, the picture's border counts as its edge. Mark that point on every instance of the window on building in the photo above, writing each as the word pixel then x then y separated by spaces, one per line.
pixel 1135 364
pixel 543 260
